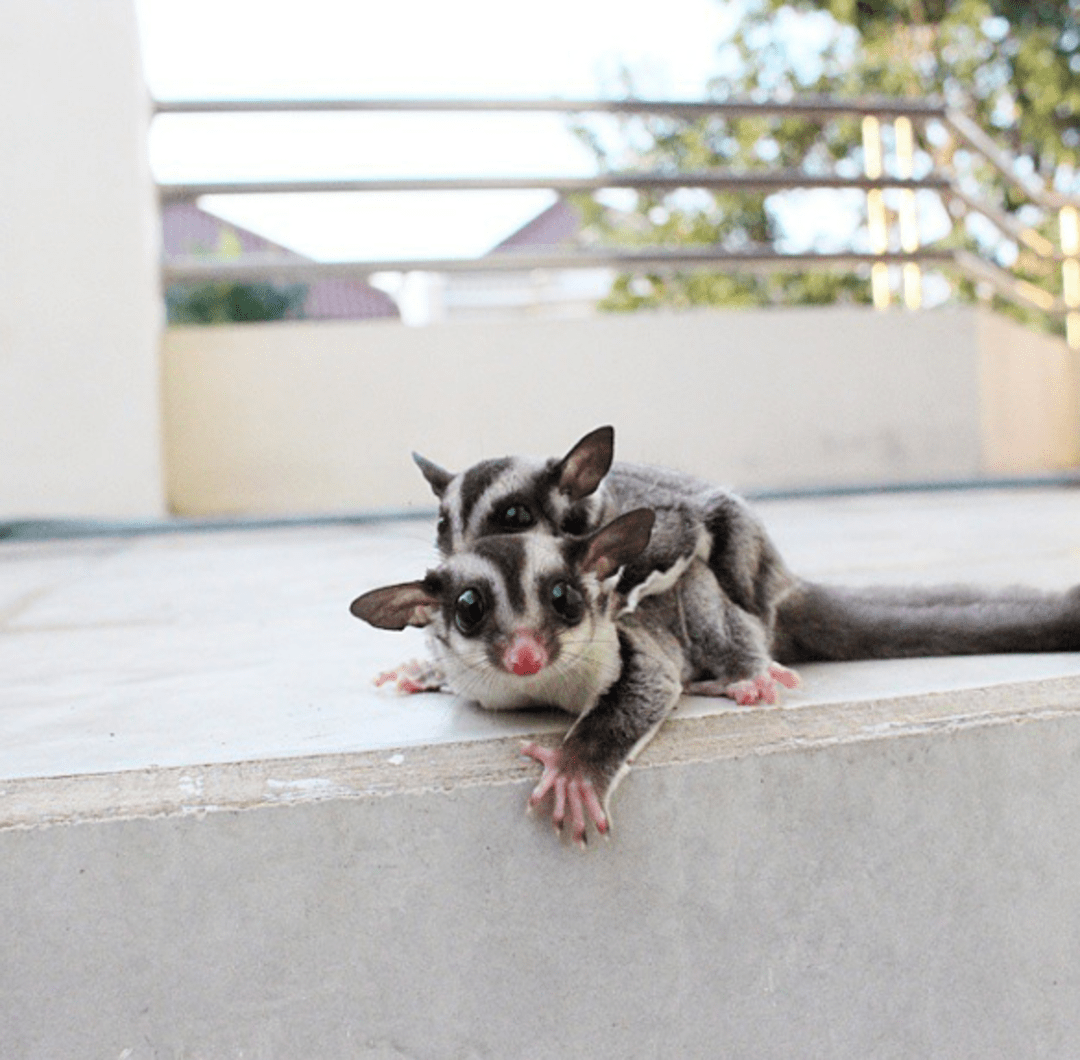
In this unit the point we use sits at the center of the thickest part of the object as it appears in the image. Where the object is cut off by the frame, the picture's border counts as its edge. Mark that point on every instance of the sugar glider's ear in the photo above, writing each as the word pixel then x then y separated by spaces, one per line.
pixel 397 606
pixel 620 541
pixel 438 478
pixel 584 467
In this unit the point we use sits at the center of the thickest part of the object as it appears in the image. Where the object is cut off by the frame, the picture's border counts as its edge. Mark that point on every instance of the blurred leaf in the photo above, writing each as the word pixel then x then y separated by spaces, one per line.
pixel 225 303
pixel 1014 67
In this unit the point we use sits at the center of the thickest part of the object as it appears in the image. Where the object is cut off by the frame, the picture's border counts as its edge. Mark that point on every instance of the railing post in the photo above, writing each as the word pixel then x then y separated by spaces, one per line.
pixel 909 217
pixel 875 210
pixel 1069 227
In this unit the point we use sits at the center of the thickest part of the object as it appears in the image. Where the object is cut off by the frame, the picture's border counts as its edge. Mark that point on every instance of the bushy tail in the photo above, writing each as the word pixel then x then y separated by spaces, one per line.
pixel 818 622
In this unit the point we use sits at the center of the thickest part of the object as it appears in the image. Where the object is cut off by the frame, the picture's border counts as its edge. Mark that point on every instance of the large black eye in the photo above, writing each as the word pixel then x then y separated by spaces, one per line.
pixel 516 516
pixel 567 602
pixel 469 612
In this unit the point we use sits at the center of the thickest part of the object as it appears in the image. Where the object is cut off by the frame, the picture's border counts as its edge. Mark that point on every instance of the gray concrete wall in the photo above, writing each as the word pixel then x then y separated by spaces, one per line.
pixel 890 896
pixel 219 840
pixel 80 311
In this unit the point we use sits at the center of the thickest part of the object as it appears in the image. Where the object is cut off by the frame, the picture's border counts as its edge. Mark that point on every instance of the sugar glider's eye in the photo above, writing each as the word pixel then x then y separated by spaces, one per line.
pixel 567 602
pixel 469 611
pixel 516 516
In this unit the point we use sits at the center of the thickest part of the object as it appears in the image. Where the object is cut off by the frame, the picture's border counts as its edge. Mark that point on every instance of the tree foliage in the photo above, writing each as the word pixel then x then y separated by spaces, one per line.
pixel 223 303
pixel 1014 67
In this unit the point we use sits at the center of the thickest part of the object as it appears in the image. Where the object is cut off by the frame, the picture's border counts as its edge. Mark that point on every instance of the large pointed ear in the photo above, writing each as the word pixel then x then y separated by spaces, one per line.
pixel 584 467
pixel 396 606
pixel 618 542
pixel 438 478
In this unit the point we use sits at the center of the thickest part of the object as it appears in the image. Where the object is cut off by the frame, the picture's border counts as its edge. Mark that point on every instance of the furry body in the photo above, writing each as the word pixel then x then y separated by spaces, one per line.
pixel 759 610
pixel 609 589
pixel 531 619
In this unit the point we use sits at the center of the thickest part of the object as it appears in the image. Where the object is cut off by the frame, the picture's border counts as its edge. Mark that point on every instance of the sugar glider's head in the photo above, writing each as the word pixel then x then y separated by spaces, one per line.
pixel 521 618
pixel 514 494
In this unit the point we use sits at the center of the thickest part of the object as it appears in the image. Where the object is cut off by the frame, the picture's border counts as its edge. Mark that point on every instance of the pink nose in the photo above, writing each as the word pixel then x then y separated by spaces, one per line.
pixel 526 654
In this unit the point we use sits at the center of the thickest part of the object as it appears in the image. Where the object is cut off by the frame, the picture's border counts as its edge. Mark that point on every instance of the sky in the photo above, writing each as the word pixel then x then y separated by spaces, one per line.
pixel 208 49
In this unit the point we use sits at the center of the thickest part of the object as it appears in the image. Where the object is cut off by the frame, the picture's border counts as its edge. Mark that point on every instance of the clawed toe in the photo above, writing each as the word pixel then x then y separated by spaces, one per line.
pixel 573 794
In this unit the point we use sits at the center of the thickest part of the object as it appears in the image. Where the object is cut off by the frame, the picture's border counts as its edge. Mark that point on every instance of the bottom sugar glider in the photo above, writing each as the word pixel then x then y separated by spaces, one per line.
pixel 533 620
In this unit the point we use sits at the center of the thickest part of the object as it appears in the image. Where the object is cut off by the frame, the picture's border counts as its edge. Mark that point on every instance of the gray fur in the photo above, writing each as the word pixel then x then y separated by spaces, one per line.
pixel 757 609
pixel 704 603
pixel 620 672
pixel 819 623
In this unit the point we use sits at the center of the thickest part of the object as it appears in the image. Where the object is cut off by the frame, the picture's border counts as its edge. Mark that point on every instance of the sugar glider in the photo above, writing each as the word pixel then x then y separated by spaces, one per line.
pixel 767 615
pixel 694 522
pixel 533 619
pixel 614 623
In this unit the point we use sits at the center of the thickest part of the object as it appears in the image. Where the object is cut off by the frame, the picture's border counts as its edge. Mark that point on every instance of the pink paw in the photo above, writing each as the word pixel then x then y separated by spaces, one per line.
pixel 572 790
pixel 413 676
pixel 763 688
pixel 760 689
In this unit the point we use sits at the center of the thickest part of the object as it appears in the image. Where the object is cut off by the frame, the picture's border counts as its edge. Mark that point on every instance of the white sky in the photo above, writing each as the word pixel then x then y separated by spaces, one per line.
pixel 204 49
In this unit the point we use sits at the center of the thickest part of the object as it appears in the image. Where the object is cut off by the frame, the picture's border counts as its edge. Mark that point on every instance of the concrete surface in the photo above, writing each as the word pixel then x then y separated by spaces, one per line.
pixel 217 840
pixel 315 416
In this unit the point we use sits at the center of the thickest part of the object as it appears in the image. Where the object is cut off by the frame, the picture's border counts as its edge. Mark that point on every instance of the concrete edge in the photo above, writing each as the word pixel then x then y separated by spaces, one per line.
pixel 737 733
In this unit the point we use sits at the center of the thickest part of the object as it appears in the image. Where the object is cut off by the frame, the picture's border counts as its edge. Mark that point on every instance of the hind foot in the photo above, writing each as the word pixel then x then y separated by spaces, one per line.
pixel 761 688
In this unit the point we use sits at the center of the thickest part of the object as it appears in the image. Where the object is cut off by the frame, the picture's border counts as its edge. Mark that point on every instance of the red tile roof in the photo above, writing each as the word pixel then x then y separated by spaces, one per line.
pixel 559 223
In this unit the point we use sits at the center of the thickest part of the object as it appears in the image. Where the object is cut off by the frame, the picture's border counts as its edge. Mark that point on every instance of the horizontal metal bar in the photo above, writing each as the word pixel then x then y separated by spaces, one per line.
pixel 270 268
pixel 643 181
pixel 267 267
pixel 816 107
pixel 806 107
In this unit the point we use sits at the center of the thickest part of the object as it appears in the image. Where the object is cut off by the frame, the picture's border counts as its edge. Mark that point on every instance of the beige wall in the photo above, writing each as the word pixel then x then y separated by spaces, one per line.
pixel 79 307
pixel 1030 399
pixel 308 417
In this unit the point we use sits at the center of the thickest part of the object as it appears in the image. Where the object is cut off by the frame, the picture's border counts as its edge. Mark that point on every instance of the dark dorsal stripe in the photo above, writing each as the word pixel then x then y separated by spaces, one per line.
pixel 507 553
pixel 476 482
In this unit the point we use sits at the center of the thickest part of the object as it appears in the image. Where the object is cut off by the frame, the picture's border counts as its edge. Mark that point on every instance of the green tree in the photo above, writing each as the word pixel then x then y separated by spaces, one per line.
pixel 222 303
pixel 1013 67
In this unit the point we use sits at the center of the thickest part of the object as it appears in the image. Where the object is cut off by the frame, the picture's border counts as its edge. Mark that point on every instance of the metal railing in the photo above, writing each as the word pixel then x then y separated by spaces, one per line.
pixel 912 256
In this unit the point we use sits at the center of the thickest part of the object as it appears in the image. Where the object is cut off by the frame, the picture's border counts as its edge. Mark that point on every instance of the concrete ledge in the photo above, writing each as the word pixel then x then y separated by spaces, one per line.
pixel 217 840
pixel 710 733
pixel 888 897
